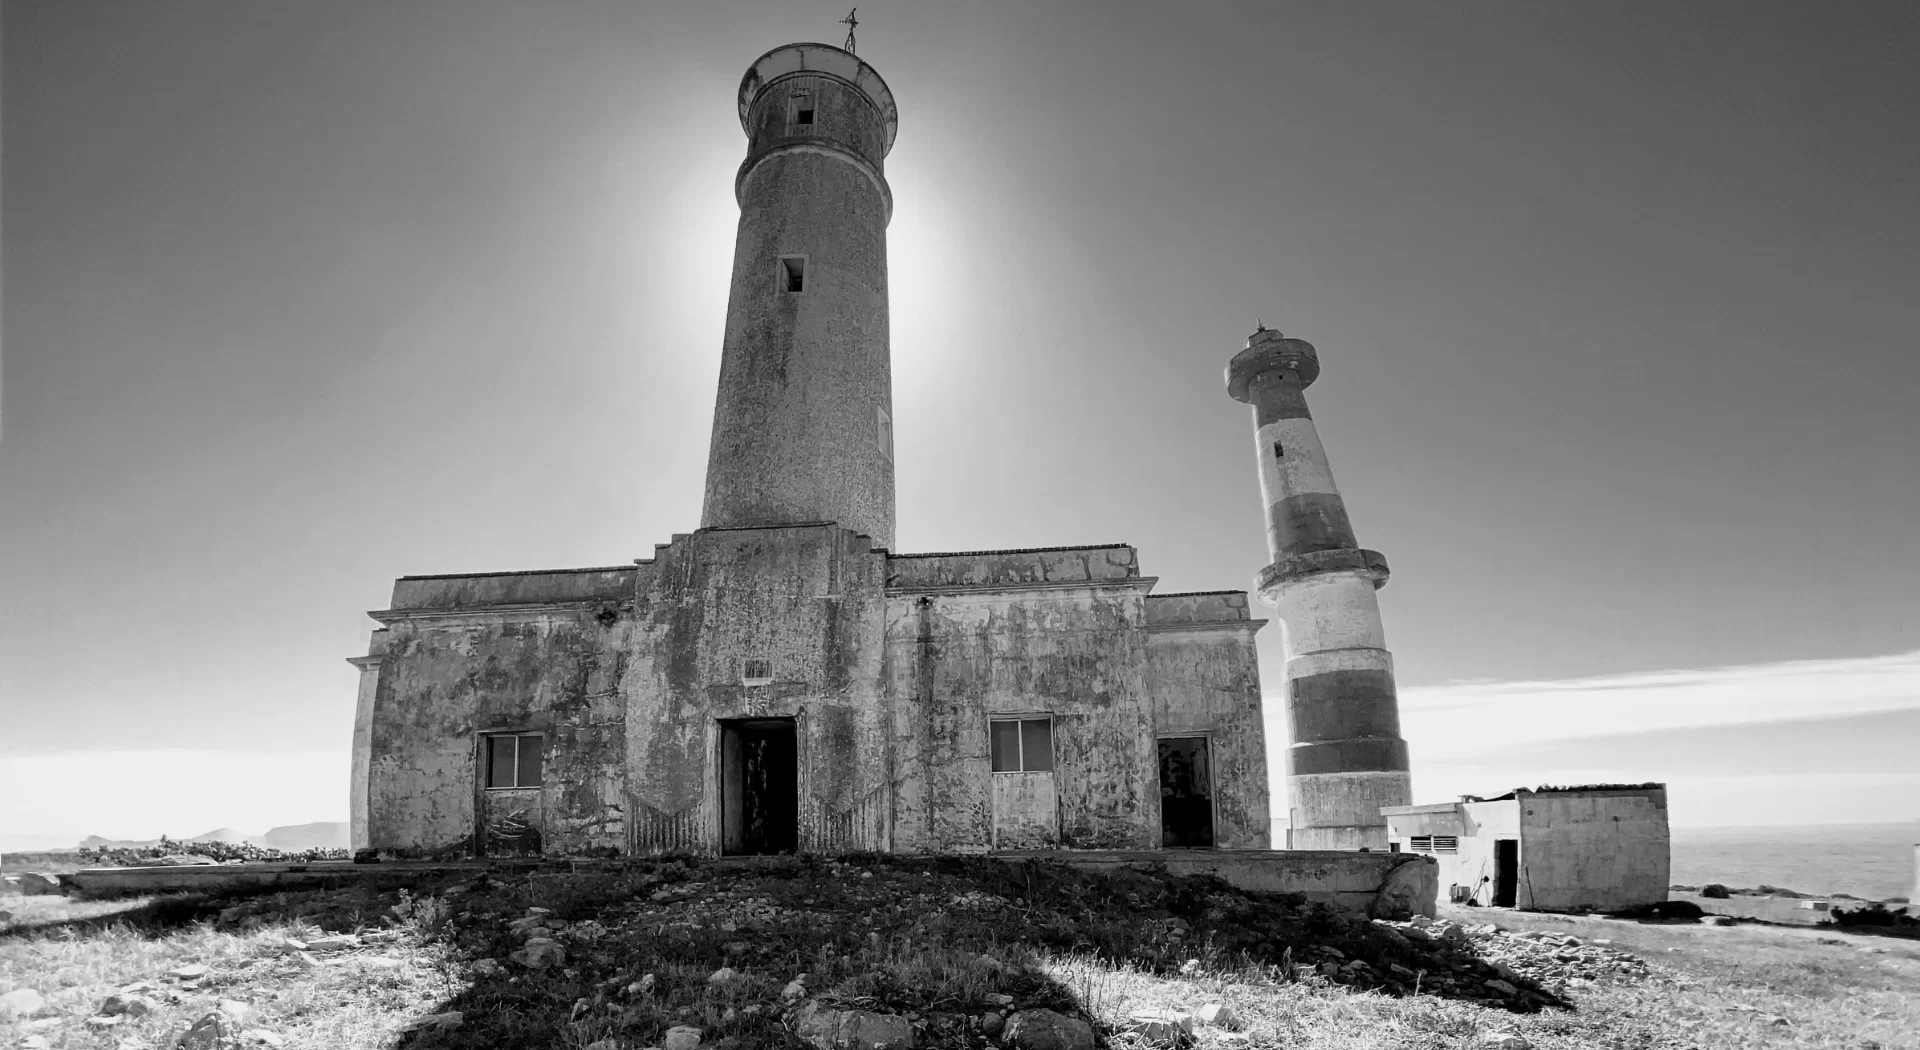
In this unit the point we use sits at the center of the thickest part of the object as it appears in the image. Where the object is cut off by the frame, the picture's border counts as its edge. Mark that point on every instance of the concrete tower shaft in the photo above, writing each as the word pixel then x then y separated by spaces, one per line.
pixel 803 424
pixel 1347 758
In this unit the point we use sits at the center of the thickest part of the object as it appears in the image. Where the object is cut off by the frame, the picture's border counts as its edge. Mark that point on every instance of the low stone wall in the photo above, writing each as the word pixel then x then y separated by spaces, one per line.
pixel 230 878
pixel 1382 885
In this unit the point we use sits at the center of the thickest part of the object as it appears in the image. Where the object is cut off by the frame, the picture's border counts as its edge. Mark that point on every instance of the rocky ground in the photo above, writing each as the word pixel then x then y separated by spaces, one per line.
pixel 873 953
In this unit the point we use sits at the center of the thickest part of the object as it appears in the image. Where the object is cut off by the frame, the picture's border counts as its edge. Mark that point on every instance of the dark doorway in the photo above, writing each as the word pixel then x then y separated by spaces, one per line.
pixel 1186 793
pixel 1506 872
pixel 759 786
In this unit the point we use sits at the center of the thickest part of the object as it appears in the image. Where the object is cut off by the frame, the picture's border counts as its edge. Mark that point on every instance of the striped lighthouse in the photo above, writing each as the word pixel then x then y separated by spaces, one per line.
pixel 1347 758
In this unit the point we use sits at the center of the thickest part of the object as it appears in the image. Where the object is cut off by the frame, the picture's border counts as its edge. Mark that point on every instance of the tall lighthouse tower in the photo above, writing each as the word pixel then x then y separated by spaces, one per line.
pixel 803 426
pixel 1347 758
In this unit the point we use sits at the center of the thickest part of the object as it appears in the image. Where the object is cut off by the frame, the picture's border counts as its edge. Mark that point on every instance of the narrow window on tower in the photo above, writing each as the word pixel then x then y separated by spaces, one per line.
pixel 802 108
pixel 884 433
pixel 793 273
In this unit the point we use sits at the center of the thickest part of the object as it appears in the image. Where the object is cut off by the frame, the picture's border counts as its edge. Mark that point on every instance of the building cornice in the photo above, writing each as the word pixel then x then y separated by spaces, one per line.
pixel 1125 583
pixel 489 613
pixel 1250 626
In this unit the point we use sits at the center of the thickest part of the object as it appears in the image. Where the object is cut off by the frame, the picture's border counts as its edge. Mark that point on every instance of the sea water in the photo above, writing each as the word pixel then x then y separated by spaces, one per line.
pixel 1874 861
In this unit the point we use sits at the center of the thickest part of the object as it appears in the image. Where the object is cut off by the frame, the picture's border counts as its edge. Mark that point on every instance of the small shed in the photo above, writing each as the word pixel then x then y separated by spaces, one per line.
pixel 1602 847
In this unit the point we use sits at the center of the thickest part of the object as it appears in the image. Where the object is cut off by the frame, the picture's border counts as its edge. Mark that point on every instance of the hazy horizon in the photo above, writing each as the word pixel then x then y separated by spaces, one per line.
pixel 1614 306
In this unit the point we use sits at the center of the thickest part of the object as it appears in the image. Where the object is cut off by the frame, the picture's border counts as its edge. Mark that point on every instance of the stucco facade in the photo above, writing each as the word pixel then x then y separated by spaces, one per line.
pixel 891 670
pixel 1581 849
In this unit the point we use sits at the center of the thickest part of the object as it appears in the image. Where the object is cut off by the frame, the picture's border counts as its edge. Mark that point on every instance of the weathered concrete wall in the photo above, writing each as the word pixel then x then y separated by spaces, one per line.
pixel 964 646
pixel 809 600
pixel 1383 885
pixel 455 670
pixel 357 783
pixel 1602 850
pixel 1203 674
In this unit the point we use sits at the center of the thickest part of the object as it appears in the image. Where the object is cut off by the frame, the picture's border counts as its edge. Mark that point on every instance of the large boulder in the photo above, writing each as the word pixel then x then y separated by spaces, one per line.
pixel 1046 1030
pixel 829 1029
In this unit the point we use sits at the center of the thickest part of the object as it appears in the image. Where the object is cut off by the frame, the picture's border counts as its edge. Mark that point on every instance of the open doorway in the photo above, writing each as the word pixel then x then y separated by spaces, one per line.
pixel 1186 793
pixel 759 786
pixel 1506 872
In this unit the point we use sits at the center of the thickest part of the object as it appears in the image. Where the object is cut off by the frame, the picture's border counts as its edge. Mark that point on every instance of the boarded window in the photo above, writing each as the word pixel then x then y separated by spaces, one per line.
pixel 1421 843
pixel 1021 745
pixel 1446 844
pixel 885 433
pixel 514 760
pixel 756 672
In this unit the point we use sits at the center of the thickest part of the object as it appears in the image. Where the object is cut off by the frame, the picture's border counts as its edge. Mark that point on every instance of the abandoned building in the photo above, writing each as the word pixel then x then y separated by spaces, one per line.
pixel 780 679
pixel 1599 848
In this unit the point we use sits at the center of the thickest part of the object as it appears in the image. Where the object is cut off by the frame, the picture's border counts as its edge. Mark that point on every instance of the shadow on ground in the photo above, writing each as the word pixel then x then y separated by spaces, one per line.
pixel 560 958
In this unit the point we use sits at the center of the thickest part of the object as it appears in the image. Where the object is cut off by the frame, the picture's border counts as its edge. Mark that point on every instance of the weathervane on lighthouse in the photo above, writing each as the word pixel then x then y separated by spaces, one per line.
pixel 850 22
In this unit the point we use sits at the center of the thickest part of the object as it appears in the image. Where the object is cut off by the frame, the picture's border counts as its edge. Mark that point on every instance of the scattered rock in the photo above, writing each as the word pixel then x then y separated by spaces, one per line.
pixel 132 1005
pixel 1162 1029
pixel 643 986
pixel 488 968
pixel 793 990
pixel 829 1029
pixel 34 1042
pixel 190 972
pixel 212 1032
pixel 1715 891
pixel 1046 1030
pixel 104 1020
pixel 1503 987
pixel 606 1044
pixel 540 953
pixel 262 1037
pixel 22 1002
pixel 382 962
pixel 1219 1015
pixel 721 976
pixel 290 945
pixel 992 1024
pixel 235 1010
pixel 447 1021
pixel 338 942
pixel 1508 1041
pixel 682 1037
pixel 999 999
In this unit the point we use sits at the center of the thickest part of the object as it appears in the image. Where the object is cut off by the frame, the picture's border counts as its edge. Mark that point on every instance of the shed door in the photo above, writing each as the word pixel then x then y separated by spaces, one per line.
pixel 1186 793
pixel 1506 872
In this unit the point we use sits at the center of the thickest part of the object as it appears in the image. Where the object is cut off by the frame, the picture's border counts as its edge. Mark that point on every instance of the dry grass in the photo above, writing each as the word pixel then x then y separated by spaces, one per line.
pixel 1713 986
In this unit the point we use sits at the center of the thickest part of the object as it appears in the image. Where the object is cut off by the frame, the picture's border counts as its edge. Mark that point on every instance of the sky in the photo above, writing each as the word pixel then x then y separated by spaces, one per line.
pixel 1615 307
